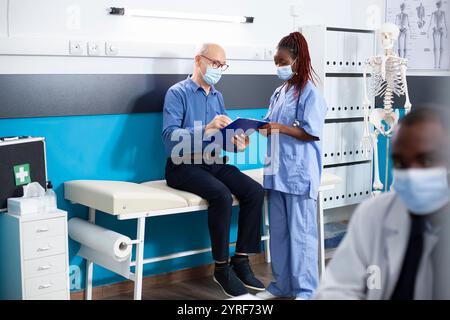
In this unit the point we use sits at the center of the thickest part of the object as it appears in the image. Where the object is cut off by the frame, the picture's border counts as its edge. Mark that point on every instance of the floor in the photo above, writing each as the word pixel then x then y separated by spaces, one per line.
pixel 197 289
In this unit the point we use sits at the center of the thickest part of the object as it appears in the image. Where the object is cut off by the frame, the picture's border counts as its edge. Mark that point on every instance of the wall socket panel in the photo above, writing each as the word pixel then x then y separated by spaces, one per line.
pixel 111 49
pixel 76 47
pixel 95 48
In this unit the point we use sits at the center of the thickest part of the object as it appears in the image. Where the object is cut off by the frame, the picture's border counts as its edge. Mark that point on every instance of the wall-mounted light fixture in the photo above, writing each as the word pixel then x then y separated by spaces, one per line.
pixel 178 15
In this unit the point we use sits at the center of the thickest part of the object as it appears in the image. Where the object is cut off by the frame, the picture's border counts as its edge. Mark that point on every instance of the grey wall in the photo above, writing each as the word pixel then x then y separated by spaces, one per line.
pixel 23 96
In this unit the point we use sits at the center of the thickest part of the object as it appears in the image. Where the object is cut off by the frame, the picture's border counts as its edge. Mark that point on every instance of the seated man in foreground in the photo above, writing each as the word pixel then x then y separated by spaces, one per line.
pixel 395 240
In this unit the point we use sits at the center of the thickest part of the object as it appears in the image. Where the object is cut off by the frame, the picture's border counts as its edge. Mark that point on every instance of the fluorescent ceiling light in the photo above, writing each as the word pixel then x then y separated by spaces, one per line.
pixel 179 15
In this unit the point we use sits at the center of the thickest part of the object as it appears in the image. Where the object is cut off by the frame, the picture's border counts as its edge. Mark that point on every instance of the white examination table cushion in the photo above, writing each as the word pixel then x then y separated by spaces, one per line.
pixel 193 199
pixel 118 197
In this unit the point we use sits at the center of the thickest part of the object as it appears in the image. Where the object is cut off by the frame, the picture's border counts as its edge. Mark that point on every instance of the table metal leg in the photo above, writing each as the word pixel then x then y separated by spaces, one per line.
pixel 321 235
pixel 140 236
pixel 266 230
pixel 89 264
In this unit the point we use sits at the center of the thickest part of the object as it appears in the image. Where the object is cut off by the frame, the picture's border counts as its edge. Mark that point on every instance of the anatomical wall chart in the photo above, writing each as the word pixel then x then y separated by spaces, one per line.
pixel 424 29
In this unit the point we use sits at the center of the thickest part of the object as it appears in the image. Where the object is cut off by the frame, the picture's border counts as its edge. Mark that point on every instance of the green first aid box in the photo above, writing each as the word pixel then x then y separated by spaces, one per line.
pixel 22 161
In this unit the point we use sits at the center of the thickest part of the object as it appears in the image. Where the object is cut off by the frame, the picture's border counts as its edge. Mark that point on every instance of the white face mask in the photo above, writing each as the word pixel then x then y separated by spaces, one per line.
pixel 212 76
pixel 423 191
pixel 286 73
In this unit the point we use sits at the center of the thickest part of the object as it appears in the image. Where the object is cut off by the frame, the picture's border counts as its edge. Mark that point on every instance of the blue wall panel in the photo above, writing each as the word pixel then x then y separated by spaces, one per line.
pixel 127 148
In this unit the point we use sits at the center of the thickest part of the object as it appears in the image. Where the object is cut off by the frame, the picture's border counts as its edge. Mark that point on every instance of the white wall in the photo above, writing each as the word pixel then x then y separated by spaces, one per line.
pixel 51 24
pixel 88 19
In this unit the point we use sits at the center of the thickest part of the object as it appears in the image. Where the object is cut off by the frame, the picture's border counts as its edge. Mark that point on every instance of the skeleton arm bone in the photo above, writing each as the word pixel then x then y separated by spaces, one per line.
pixel 405 83
pixel 366 102
pixel 366 141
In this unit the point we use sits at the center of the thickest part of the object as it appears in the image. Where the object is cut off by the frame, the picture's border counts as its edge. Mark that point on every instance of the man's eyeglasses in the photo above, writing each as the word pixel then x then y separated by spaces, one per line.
pixel 216 64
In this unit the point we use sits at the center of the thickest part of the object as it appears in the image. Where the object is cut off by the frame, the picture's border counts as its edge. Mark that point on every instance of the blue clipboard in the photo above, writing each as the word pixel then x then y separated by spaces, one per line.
pixel 243 124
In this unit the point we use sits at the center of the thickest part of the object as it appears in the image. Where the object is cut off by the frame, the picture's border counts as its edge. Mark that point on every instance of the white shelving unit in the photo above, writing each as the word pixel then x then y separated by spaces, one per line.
pixel 338 55
pixel 34 261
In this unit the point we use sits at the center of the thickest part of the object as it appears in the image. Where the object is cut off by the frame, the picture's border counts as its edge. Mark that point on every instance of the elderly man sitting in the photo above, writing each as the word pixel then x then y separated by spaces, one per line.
pixel 193 111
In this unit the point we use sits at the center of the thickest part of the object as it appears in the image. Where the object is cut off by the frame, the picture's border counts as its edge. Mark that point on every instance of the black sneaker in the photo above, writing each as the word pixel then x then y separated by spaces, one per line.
pixel 244 272
pixel 228 281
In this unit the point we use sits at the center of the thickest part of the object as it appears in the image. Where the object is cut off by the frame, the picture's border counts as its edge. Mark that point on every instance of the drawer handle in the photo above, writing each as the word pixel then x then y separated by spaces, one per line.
pixel 45 286
pixel 44 249
pixel 43 268
pixel 42 230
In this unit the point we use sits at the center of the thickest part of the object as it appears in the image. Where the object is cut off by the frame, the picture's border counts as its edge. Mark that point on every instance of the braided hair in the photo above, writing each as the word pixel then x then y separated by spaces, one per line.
pixel 297 46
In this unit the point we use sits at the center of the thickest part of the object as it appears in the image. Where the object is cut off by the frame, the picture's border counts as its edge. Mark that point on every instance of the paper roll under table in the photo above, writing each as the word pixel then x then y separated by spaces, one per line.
pixel 107 242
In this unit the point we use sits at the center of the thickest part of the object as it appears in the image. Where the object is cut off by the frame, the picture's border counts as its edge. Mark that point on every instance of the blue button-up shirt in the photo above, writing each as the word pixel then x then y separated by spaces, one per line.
pixel 295 166
pixel 185 103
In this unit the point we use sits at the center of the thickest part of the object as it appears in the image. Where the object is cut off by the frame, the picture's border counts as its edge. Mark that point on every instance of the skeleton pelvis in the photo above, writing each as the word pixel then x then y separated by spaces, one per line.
pixel 384 120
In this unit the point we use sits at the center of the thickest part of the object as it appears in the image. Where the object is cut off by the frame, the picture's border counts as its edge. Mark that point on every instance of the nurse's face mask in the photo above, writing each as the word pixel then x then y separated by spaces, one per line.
pixel 285 73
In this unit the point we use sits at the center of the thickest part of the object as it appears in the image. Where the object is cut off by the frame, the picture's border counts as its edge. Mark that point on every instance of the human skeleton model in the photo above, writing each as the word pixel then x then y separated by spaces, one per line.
pixel 402 21
pixel 388 77
pixel 439 24
pixel 421 16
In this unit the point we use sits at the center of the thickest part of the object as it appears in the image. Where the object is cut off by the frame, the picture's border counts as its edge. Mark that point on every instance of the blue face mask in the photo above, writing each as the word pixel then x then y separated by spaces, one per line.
pixel 423 191
pixel 212 76
pixel 285 73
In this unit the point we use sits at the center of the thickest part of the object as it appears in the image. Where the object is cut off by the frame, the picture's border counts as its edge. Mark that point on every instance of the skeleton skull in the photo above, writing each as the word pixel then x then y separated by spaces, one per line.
pixel 389 32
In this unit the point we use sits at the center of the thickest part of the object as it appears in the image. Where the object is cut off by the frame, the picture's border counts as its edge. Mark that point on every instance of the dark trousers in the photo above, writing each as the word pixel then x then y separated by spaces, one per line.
pixel 216 183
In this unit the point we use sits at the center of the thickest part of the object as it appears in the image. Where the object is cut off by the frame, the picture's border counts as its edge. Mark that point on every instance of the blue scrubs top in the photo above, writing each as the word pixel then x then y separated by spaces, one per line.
pixel 295 166
pixel 185 103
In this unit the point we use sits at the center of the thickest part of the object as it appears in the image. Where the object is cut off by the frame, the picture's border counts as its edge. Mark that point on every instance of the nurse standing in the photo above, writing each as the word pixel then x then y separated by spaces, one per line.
pixel 292 176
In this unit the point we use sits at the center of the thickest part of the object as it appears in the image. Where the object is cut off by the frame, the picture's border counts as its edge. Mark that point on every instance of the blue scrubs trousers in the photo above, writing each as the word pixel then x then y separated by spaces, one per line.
pixel 293 245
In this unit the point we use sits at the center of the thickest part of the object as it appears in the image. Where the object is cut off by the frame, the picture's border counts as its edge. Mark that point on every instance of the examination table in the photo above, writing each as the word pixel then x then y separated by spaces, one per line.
pixel 127 200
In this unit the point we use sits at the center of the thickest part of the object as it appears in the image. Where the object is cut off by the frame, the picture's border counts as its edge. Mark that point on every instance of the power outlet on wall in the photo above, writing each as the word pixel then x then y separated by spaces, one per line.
pixel 95 48
pixel 76 47
pixel 111 49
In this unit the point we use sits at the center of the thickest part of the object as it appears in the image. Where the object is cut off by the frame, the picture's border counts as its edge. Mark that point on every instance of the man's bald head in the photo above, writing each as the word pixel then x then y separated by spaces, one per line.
pixel 422 140
pixel 211 48
pixel 209 54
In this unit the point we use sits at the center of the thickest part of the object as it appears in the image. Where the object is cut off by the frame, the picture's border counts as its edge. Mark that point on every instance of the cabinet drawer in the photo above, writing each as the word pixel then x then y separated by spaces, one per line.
pixel 35 287
pixel 44 266
pixel 41 229
pixel 59 295
pixel 44 248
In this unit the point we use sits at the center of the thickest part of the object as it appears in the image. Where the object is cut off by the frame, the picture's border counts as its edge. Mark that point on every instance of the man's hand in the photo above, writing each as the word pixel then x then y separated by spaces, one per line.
pixel 271 128
pixel 219 122
pixel 241 141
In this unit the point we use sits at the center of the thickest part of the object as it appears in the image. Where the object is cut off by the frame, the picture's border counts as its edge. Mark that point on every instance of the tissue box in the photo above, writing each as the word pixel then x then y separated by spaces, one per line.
pixel 25 206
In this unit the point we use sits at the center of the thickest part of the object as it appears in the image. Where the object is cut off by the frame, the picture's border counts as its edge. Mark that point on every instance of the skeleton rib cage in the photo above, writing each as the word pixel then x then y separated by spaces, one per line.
pixel 392 83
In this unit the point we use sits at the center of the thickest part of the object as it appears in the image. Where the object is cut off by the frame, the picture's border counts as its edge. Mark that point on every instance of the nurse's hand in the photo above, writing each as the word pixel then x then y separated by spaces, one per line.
pixel 241 141
pixel 219 122
pixel 271 128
